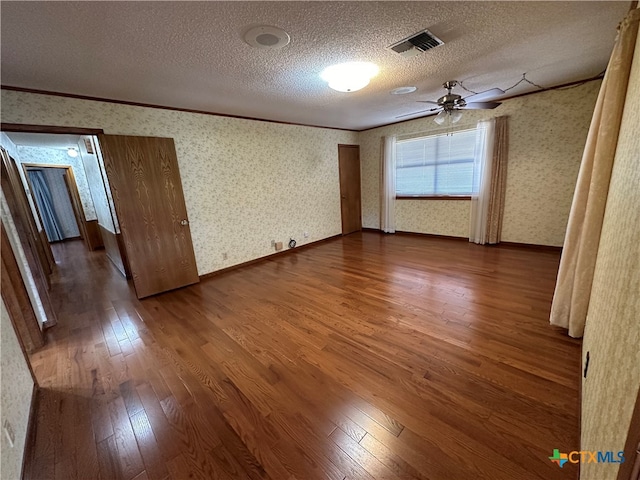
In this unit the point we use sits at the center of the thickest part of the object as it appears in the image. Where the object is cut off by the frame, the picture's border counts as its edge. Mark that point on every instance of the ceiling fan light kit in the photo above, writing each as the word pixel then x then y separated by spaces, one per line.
pixel 450 105
pixel 453 116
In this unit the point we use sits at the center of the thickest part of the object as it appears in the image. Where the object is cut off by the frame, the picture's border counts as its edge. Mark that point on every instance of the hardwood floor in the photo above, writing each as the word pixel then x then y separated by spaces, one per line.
pixel 365 357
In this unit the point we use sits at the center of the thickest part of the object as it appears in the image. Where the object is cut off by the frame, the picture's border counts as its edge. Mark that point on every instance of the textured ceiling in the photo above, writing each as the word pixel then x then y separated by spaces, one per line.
pixel 48 140
pixel 191 54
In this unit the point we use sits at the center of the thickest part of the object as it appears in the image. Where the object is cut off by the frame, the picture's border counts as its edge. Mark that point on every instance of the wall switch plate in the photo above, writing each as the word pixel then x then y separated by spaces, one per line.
pixel 273 243
pixel 225 256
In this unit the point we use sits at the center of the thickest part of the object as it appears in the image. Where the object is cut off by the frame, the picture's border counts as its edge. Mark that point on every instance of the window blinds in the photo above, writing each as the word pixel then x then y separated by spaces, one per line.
pixel 436 165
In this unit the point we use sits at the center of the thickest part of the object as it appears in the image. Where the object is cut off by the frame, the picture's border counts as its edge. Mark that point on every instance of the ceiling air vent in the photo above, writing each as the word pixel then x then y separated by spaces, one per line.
pixel 416 44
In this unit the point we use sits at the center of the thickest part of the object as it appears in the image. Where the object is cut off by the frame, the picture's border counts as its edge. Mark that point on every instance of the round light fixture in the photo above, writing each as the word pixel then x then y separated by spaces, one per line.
pixel 266 36
pixel 350 76
pixel 403 90
pixel 72 152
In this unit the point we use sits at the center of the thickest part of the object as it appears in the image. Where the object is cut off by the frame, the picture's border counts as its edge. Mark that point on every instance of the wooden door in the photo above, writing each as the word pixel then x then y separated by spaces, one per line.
pixel 27 234
pixel 38 238
pixel 349 160
pixel 16 298
pixel 147 192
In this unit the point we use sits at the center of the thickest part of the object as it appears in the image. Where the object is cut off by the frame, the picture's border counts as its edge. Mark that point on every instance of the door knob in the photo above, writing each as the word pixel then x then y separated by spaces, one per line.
pixel 184 222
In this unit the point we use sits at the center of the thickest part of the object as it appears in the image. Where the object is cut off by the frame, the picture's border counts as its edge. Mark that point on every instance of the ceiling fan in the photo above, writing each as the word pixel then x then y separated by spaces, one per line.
pixel 451 103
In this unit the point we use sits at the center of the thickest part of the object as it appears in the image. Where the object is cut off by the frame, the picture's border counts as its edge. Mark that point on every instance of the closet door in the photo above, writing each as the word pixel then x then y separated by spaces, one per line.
pixel 349 167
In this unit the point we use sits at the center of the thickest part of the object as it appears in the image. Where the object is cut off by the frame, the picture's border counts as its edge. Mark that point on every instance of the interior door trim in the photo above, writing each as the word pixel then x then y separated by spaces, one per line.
pixel 26 128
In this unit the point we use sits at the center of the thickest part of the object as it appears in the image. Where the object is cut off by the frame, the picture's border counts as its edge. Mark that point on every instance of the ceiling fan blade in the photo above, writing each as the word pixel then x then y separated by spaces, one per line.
pixel 481 105
pixel 428 101
pixel 415 113
pixel 478 97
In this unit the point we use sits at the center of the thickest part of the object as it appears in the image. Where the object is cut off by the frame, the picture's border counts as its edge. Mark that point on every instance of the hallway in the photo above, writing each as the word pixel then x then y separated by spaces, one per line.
pixel 367 356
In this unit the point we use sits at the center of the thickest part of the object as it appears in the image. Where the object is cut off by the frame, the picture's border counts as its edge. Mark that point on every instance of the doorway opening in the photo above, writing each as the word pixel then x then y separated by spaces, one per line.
pixel 137 177
pixel 67 189
pixel 54 189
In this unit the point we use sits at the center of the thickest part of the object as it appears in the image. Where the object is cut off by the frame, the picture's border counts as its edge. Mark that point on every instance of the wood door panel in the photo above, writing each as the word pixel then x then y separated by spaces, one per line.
pixel 16 298
pixel 32 242
pixel 147 191
pixel 350 203
pixel 22 208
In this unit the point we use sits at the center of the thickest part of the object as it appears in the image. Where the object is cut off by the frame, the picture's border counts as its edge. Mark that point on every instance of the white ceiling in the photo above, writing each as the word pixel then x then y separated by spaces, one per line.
pixel 191 54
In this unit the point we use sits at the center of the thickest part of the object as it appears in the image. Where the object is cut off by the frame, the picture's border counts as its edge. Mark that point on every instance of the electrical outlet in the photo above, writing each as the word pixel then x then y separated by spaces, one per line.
pixel 306 234
pixel 225 256
pixel 8 431
pixel 273 243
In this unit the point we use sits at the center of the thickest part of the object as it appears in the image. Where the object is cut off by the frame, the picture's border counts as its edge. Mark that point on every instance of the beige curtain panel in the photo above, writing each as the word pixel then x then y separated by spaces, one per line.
pixel 575 275
pixel 498 180
pixel 487 205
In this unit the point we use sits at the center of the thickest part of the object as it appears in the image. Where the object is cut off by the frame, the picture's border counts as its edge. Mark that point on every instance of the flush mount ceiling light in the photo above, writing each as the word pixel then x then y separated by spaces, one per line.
pixel 72 152
pixel 350 76
pixel 267 36
pixel 403 90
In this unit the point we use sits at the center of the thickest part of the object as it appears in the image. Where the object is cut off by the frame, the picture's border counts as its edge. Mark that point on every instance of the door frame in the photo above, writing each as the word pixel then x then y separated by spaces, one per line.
pixel 53 129
pixel 27 216
pixel 17 300
pixel 630 469
pixel 22 206
pixel 26 128
pixel 27 233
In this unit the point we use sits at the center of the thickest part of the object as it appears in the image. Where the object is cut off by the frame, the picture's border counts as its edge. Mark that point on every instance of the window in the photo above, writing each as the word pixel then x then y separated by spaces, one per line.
pixel 436 165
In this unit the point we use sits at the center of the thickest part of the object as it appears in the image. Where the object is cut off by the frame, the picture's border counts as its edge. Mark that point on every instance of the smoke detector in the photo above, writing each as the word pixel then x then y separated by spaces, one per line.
pixel 267 36
pixel 416 44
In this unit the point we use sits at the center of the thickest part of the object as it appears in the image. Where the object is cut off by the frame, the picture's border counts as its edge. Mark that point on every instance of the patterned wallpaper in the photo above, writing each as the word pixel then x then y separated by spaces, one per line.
pixel 245 182
pixel 16 401
pixel 61 201
pixel 437 217
pixel 612 332
pixel 547 135
pixel 54 156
